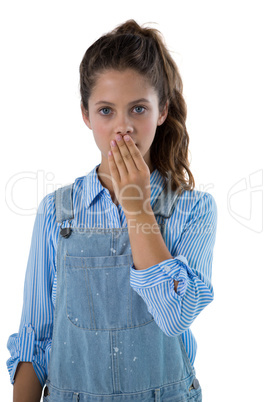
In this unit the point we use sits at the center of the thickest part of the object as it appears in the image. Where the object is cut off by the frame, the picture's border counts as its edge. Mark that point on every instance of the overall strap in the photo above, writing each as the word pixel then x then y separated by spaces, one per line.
pixel 166 201
pixel 64 203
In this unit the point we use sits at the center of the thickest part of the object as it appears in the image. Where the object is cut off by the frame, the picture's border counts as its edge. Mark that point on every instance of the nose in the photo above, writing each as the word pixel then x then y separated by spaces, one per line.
pixel 123 125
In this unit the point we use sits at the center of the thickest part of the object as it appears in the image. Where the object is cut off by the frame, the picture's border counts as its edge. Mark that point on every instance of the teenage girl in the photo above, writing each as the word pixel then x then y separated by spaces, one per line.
pixel 120 260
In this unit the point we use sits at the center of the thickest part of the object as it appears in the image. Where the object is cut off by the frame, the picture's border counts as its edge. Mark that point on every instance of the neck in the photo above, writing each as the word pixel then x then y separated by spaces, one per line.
pixel 106 181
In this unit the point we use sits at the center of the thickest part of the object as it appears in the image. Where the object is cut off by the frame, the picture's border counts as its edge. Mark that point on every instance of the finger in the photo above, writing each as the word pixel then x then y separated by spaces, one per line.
pixel 123 158
pixel 113 167
pixel 135 152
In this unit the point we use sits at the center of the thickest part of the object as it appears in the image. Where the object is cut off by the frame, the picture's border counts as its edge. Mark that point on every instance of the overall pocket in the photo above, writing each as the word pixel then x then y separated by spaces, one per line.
pixel 99 295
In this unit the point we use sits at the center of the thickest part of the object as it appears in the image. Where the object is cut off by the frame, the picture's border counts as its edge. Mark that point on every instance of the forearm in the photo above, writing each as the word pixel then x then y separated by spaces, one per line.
pixel 147 244
pixel 27 387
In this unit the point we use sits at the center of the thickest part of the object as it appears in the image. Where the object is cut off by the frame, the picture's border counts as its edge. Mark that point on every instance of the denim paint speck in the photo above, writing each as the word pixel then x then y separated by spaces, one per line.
pixel 105 345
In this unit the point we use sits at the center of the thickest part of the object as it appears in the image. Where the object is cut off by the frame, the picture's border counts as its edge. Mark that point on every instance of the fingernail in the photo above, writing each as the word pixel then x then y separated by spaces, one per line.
pixel 113 143
pixel 127 137
pixel 118 138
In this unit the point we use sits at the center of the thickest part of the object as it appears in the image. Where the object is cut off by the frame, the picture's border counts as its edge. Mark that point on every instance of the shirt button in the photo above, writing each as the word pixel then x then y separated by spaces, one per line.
pixel 196 383
pixel 167 269
pixel 29 330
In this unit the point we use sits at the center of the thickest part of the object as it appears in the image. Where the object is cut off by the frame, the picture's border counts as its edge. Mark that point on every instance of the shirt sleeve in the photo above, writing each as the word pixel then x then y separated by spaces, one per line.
pixel 191 265
pixel 33 341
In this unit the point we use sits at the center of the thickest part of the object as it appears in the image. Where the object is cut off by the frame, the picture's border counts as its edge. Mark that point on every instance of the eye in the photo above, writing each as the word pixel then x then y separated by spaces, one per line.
pixel 105 111
pixel 139 109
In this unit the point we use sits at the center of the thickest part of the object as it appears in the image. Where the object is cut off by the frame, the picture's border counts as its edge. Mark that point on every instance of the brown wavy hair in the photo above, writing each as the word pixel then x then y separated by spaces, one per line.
pixel 143 49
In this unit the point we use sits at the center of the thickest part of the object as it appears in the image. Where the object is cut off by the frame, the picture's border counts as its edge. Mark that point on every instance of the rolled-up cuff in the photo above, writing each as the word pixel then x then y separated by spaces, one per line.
pixel 176 268
pixel 23 348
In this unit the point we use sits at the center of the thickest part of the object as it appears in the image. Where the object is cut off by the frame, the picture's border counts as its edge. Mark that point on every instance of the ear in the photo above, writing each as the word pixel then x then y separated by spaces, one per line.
pixel 85 116
pixel 163 114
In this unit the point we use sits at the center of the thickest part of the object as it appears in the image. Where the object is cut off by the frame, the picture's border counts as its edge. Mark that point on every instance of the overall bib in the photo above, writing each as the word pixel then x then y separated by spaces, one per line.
pixel 106 346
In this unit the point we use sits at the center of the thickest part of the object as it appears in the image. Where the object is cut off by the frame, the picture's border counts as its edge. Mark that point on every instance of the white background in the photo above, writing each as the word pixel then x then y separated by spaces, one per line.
pixel 221 50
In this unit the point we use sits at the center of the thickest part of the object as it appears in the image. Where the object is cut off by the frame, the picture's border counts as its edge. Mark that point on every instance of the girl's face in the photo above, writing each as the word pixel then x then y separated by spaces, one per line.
pixel 123 102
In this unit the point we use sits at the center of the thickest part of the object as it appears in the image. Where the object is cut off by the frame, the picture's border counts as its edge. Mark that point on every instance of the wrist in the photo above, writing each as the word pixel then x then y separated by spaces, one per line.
pixel 140 214
pixel 143 223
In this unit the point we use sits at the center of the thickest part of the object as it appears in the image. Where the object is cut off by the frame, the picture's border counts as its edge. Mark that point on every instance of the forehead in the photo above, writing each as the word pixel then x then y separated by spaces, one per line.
pixel 126 83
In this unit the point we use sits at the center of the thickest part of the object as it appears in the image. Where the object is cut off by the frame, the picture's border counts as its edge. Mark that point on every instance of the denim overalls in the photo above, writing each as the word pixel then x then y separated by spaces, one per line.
pixel 106 346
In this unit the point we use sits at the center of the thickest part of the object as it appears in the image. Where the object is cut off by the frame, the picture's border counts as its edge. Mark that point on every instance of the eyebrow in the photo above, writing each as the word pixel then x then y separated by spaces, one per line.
pixel 130 103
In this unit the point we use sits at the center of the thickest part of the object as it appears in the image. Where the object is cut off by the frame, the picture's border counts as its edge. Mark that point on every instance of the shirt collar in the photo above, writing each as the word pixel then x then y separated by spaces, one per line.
pixel 92 186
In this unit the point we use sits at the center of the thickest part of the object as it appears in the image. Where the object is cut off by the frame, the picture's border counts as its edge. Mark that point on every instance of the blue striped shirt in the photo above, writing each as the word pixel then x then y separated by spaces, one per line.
pixel 189 236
